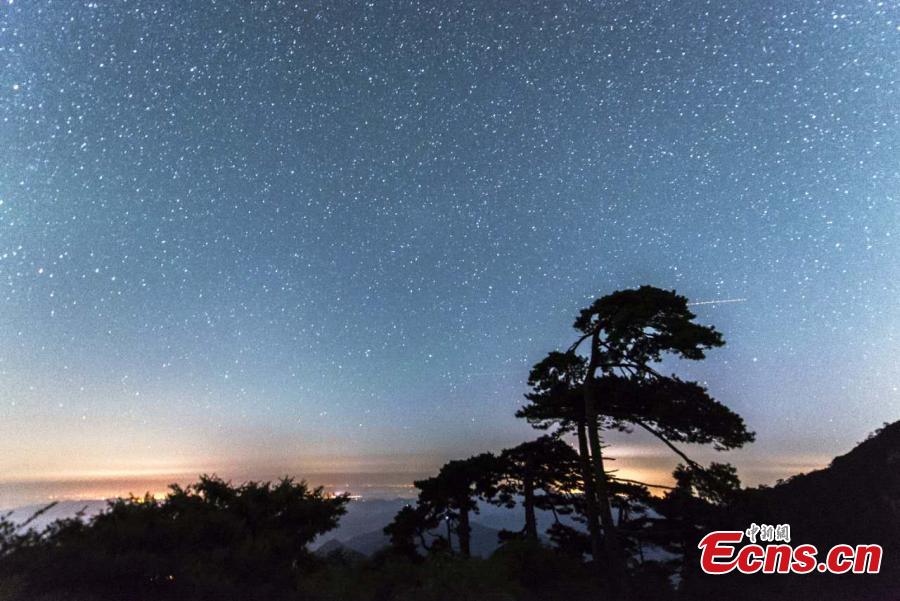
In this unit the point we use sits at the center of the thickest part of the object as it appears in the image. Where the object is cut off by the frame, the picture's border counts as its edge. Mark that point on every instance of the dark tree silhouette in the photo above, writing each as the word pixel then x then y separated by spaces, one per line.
pixel 544 473
pixel 409 530
pixel 700 501
pixel 626 334
pixel 452 495
pixel 556 399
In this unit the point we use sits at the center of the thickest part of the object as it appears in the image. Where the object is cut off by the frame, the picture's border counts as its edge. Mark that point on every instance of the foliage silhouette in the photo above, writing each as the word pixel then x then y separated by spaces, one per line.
pixel 627 333
pixel 557 400
pixel 451 496
pixel 410 529
pixel 210 540
pixel 544 473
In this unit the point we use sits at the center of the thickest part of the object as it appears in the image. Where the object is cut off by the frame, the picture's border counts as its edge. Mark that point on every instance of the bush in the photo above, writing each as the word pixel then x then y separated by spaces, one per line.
pixel 210 540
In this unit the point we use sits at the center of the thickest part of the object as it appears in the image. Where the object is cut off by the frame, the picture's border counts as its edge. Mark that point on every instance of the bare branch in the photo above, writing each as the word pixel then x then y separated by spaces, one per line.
pixel 629 481
pixel 675 449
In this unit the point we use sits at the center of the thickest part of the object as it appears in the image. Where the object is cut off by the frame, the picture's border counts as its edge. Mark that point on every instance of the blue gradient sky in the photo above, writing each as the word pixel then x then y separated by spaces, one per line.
pixel 249 237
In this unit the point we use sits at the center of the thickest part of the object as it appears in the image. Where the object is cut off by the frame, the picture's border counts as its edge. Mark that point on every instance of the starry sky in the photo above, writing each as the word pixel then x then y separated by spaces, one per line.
pixel 263 236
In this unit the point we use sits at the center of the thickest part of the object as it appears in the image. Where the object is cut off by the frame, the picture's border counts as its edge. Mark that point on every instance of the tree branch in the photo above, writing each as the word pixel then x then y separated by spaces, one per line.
pixel 629 481
pixel 665 441
pixel 578 342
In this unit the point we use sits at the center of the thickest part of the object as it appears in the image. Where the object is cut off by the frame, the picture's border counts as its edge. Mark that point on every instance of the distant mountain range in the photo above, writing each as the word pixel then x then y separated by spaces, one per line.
pixel 361 529
pixel 484 542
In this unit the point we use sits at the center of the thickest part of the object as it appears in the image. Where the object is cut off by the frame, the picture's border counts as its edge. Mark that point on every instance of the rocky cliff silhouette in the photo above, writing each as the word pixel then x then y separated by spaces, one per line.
pixel 855 500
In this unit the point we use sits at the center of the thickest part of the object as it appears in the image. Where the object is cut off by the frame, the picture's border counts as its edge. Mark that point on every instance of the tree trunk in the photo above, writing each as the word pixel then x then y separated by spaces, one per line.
pixel 449 536
pixel 464 533
pixel 590 495
pixel 614 557
pixel 530 519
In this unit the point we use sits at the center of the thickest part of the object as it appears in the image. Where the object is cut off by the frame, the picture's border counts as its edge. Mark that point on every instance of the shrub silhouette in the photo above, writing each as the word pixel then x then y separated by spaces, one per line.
pixel 210 540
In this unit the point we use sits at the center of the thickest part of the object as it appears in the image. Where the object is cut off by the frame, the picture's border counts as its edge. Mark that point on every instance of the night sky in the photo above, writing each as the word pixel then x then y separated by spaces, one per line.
pixel 260 237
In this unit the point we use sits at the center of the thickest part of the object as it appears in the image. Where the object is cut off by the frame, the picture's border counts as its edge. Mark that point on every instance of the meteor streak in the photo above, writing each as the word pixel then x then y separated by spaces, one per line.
pixel 718 302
